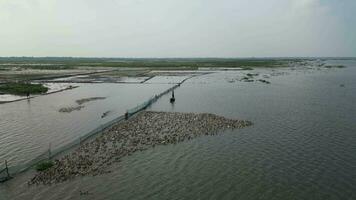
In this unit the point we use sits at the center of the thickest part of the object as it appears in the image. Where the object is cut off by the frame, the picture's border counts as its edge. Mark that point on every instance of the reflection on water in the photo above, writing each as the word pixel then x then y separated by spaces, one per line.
pixel 302 144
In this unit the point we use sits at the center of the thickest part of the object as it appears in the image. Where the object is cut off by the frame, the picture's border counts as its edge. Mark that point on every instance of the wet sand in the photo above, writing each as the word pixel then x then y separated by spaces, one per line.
pixel 144 130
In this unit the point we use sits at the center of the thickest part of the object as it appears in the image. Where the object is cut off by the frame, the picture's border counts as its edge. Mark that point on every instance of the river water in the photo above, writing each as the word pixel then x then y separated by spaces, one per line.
pixel 29 128
pixel 301 146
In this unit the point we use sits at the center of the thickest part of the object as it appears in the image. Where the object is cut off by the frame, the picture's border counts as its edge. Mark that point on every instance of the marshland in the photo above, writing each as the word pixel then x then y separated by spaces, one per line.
pixel 180 100
pixel 160 146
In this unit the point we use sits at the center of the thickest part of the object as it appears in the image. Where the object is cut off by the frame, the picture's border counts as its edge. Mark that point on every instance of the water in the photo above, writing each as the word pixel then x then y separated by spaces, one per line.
pixel 28 128
pixel 302 144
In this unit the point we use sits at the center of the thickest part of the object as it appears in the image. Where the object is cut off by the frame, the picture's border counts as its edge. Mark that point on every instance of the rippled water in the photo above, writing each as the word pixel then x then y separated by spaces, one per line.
pixel 302 144
pixel 28 128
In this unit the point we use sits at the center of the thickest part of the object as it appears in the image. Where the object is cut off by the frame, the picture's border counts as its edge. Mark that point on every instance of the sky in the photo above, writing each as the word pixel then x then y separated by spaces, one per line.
pixel 178 28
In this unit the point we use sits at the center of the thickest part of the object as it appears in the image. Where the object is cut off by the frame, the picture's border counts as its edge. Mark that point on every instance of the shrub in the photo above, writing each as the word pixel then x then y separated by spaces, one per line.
pixel 22 88
pixel 44 165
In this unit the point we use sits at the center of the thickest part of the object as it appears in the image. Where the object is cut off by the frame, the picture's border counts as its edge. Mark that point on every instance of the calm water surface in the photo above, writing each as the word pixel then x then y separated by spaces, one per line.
pixel 302 144
pixel 27 128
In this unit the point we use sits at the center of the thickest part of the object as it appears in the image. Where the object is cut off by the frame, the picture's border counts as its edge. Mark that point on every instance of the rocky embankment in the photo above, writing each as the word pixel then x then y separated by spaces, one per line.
pixel 143 131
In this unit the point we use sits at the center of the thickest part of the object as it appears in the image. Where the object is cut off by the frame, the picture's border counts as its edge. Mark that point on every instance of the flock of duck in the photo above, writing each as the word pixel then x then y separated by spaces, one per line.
pixel 138 133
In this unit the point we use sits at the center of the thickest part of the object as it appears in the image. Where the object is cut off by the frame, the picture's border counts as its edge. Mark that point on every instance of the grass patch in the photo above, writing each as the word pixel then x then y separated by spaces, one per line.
pixel 44 165
pixel 149 63
pixel 22 89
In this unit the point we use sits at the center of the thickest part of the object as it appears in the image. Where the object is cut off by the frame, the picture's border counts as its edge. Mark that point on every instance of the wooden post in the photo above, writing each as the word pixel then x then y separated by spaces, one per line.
pixel 7 169
pixel 49 151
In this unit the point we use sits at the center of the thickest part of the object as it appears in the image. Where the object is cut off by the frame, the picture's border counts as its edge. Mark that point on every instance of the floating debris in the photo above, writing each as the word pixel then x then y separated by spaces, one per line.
pixel 105 114
pixel 80 103
pixel 264 81
pixel 84 193
pixel 247 79
pixel 70 109
pixel 143 131
pixel 334 66
pixel 85 100
pixel 251 75
pixel 274 73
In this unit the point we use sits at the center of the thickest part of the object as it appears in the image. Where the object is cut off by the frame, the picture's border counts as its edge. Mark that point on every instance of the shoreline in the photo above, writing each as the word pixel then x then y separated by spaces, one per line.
pixel 31 97
pixel 92 134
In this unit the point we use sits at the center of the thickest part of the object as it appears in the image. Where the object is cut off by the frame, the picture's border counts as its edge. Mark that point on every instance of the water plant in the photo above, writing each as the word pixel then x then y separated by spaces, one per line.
pixel 22 89
pixel 44 165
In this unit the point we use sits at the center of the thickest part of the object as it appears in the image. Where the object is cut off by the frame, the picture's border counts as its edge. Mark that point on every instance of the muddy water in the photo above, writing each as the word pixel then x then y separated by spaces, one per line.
pixel 28 128
pixel 302 144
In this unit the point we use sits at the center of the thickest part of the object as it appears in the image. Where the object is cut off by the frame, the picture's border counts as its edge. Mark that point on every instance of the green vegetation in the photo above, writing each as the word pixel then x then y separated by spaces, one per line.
pixel 46 67
pixel 22 89
pixel 12 67
pixel 150 63
pixel 44 165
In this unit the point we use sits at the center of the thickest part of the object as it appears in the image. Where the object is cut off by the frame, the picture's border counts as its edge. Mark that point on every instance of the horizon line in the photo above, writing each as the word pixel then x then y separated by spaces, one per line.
pixel 249 57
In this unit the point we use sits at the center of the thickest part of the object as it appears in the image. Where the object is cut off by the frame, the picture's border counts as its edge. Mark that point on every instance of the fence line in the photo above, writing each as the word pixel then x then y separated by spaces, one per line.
pixel 4 173
pixel 50 153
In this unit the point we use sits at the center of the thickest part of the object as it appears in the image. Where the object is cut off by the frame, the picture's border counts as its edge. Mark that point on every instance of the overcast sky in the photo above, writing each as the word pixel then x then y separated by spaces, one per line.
pixel 178 28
